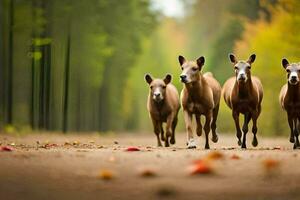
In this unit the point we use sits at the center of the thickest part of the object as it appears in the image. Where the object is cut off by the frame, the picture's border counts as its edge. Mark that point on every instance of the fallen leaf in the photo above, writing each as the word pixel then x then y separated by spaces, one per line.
pixel 277 148
pixel 200 167
pixel 132 149
pixel 215 155
pixel 271 164
pixel 235 157
pixel 147 172
pixel 106 174
pixel 6 148
pixel 67 144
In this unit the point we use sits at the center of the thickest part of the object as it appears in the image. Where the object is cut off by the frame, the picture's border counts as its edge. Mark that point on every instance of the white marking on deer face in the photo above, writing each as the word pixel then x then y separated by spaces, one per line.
pixel 242 70
pixel 293 71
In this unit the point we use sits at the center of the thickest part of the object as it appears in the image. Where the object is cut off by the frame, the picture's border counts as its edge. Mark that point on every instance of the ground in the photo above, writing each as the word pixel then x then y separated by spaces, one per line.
pixel 57 166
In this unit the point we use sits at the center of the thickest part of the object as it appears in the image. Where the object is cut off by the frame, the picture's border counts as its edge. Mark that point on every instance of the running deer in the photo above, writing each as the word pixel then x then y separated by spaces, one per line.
pixel 289 99
pixel 163 106
pixel 200 96
pixel 243 94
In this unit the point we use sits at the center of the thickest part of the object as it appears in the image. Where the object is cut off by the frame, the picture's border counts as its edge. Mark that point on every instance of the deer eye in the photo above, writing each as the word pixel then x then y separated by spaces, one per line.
pixel 236 68
pixel 164 87
pixel 181 68
pixel 288 71
pixel 151 87
pixel 194 69
pixel 249 67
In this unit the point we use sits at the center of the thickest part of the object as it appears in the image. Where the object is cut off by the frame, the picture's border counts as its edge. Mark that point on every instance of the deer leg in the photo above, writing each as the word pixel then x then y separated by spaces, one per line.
pixel 199 125
pixel 296 133
pixel 254 128
pixel 169 129
pixel 235 116
pixel 174 124
pixel 214 124
pixel 191 144
pixel 291 125
pixel 207 128
pixel 157 129
pixel 162 132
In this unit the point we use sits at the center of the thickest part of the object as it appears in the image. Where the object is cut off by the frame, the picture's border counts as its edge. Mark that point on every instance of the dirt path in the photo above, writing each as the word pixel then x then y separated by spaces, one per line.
pixel 67 167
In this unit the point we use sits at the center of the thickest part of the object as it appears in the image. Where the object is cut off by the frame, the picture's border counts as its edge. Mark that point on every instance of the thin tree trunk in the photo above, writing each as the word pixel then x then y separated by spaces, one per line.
pixel 10 64
pixel 2 64
pixel 67 76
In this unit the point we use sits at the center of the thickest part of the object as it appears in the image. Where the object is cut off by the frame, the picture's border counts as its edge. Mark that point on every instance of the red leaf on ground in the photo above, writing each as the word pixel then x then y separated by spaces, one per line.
pixel 270 164
pixel 6 148
pixel 235 157
pixel 132 149
pixel 200 167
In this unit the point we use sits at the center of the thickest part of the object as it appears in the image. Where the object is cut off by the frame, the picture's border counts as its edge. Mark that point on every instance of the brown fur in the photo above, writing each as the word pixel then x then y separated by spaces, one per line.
pixel 244 97
pixel 200 96
pixel 165 110
pixel 289 99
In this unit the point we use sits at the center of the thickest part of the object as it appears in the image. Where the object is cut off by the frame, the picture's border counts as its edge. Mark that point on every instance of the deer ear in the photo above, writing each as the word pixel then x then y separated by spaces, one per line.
pixel 148 78
pixel 200 62
pixel 284 63
pixel 181 60
pixel 251 59
pixel 168 79
pixel 232 58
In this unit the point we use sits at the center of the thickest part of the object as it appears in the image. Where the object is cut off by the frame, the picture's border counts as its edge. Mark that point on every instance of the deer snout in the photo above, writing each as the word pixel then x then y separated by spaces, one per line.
pixel 242 77
pixel 183 78
pixel 294 78
pixel 156 94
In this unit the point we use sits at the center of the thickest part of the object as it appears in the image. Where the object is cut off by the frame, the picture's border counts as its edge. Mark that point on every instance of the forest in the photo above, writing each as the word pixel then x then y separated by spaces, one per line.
pixel 79 66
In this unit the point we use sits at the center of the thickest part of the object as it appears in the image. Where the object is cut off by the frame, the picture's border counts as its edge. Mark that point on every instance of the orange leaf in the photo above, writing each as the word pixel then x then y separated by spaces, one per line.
pixel 215 155
pixel 200 167
pixel 235 157
pixel 106 174
pixel 270 164
pixel 147 173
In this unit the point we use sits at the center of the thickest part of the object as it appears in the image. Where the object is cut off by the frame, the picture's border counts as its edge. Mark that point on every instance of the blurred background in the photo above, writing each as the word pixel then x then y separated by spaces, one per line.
pixel 78 66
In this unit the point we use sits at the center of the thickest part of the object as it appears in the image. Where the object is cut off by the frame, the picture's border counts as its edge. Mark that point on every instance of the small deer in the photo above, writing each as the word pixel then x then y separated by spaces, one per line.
pixel 200 96
pixel 243 94
pixel 289 99
pixel 163 106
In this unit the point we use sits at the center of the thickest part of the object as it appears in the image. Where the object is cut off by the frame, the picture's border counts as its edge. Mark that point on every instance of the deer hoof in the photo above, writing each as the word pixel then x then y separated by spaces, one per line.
pixel 292 140
pixel 239 142
pixel 191 144
pixel 215 138
pixel 172 141
pixel 254 142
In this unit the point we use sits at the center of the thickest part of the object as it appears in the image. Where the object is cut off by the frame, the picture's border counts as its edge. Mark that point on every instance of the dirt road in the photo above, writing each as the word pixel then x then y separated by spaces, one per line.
pixel 52 166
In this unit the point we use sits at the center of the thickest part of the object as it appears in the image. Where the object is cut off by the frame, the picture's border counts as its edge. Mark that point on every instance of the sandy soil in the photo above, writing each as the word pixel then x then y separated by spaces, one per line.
pixel 52 166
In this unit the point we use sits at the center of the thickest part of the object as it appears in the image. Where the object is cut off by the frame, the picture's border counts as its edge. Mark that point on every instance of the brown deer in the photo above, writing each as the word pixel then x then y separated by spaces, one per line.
pixel 200 96
pixel 289 99
pixel 243 94
pixel 163 106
